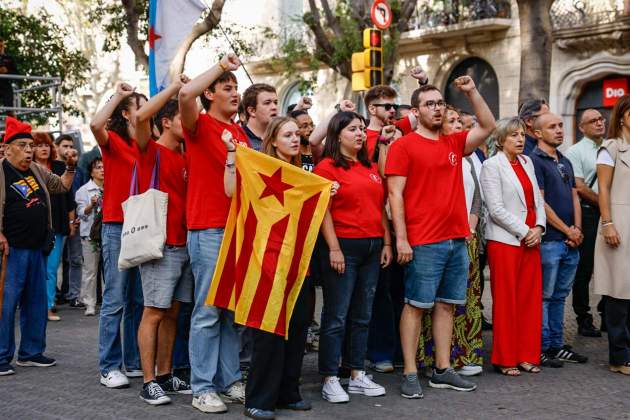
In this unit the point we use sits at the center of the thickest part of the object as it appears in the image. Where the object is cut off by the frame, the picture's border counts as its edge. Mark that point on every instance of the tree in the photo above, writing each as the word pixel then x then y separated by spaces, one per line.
pixel 129 19
pixel 337 33
pixel 536 44
pixel 39 48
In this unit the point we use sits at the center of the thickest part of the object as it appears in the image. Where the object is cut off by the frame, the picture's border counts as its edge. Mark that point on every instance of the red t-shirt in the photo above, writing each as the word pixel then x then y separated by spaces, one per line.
pixel 402 124
pixel 118 160
pixel 207 206
pixel 357 208
pixel 435 203
pixel 172 180
pixel 528 189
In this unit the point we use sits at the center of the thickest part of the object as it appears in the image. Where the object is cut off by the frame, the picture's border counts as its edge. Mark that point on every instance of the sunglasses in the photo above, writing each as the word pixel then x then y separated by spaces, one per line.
pixel 388 106
pixel 563 172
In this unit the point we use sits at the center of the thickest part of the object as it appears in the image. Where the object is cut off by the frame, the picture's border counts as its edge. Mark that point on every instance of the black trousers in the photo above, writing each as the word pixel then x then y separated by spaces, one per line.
pixel 618 323
pixel 276 366
pixel 581 305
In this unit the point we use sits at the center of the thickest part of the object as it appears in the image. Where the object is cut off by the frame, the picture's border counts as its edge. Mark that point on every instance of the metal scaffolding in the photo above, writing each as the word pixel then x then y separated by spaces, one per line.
pixel 53 84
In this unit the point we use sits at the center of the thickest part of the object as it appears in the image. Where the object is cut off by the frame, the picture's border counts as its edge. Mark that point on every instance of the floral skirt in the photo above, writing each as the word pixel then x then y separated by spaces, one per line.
pixel 467 345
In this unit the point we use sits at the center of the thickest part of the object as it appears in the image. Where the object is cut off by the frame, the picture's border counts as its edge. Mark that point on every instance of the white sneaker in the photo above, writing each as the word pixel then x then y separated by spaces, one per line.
pixel 115 379
pixel 470 370
pixel 134 373
pixel 235 393
pixel 364 385
pixel 209 402
pixel 333 392
pixel 90 311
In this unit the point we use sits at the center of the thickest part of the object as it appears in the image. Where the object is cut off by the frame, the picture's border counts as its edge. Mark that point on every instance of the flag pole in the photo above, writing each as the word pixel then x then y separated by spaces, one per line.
pixel 234 49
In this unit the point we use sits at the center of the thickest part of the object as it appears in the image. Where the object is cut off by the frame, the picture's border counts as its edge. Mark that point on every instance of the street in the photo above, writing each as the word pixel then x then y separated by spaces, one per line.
pixel 71 390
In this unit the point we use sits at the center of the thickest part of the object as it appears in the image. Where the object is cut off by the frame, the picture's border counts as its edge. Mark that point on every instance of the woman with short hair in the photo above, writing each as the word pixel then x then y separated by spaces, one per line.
pixel 515 222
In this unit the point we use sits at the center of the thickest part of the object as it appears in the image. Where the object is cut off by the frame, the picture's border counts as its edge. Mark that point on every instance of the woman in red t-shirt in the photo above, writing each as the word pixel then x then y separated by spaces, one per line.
pixel 358 240
pixel 516 220
pixel 113 127
pixel 276 365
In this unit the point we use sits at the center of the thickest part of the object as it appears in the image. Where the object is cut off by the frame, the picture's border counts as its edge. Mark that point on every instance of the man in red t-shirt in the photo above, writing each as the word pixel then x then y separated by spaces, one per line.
pixel 168 280
pixel 426 196
pixel 214 340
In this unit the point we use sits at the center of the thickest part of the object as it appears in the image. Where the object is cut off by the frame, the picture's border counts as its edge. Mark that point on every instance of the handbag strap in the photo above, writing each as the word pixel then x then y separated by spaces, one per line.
pixel 155 176
pixel 133 188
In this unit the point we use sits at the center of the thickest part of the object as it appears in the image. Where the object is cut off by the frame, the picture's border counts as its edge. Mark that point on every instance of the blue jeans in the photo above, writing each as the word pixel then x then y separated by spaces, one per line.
pixel 348 298
pixel 559 264
pixel 122 301
pixel 437 273
pixel 52 266
pixel 25 285
pixel 180 351
pixel 214 342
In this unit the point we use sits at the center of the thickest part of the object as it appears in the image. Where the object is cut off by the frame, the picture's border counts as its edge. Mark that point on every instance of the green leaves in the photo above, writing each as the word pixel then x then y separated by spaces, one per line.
pixel 39 48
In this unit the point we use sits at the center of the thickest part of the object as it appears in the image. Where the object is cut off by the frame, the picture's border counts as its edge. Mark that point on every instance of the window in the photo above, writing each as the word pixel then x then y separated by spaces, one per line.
pixel 291 96
pixel 485 79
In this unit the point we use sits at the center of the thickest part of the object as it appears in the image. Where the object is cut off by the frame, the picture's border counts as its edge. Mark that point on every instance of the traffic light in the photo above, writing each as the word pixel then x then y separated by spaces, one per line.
pixel 367 67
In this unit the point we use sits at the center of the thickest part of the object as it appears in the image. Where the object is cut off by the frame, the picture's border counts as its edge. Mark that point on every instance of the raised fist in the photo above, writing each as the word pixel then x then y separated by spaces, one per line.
pixel 346 106
pixel 419 74
pixel 71 157
pixel 305 103
pixel 230 62
pixel 464 83
pixel 181 80
pixel 228 140
pixel 388 132
pixel 124 89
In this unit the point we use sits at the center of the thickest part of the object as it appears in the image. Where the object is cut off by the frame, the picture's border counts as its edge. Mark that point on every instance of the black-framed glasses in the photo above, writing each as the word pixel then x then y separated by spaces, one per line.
pixel 388 106
pixel 563 172
pixel 432 105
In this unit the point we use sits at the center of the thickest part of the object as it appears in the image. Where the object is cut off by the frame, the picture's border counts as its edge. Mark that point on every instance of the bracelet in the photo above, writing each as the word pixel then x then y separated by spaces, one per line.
pixel 230 164
pixel 71 169
pixel 224 68
pixel 383 140
pixel 423 83
pixel 336 249
pixel 604 224
pixel 231 151
pixel 387 245
pixel 606 221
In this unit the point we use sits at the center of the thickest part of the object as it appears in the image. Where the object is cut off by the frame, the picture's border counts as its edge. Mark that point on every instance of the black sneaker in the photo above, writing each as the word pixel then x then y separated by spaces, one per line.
pixel 75 303
pixel 566 354
pixel 548 359
pixel 174 385
pixel 587 329
pixel 6 369
pixel 153 394
pixel 37 361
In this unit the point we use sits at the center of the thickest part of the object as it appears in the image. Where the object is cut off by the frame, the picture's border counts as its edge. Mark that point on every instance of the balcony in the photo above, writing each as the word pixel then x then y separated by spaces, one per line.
pixel 435 22
pixel 587 26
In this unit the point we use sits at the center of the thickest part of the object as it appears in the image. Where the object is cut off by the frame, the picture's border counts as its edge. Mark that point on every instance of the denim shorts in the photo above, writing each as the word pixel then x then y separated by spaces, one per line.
pixel 438 272
pixel 167 278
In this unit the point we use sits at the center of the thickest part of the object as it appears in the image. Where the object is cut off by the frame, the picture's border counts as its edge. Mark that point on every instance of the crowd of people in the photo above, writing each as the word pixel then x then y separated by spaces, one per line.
pixel 423 197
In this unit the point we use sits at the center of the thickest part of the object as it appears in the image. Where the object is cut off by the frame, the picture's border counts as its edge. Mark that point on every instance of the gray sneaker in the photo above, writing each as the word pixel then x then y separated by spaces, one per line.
pixel 410 386
pixel 451 380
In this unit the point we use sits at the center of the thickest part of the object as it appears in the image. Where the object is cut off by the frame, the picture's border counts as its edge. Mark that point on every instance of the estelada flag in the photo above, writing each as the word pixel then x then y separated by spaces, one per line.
pixel 274 219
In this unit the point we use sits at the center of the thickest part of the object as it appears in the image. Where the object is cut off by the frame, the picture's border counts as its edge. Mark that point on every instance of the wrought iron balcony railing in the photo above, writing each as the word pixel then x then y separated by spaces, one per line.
pixel 449 12
pixel 571 14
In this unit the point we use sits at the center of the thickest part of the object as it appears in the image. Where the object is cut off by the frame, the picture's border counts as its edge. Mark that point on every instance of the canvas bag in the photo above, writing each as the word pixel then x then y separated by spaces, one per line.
pixel 144 227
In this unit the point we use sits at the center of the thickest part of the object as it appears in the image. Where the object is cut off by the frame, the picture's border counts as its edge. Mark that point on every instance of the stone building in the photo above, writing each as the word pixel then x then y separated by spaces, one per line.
pixel 590 56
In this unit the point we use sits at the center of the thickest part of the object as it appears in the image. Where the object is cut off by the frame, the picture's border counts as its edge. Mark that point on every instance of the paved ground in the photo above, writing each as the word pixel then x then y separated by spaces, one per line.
pixel 71 390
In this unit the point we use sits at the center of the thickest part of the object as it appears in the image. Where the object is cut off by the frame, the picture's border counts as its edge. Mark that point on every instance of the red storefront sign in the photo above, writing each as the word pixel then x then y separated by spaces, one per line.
pixel 613 90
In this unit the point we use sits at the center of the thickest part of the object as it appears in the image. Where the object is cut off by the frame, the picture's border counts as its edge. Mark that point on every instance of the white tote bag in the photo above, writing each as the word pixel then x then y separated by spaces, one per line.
pixel 144 227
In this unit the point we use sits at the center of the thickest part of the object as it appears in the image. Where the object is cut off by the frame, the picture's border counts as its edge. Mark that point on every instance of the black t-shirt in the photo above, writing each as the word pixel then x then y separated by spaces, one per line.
pixel 25 218
pixel 61 204
pixel 307 162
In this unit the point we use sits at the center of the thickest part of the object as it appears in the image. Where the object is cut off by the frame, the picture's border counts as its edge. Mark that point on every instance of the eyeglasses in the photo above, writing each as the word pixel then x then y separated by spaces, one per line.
pixel 432 105
pixel 596 120
pixel 563 172
pixel 23 146
pixel 388 106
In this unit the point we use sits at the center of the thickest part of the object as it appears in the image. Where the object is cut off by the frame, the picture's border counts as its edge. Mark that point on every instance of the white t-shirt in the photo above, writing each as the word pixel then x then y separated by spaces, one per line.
pixel 604 158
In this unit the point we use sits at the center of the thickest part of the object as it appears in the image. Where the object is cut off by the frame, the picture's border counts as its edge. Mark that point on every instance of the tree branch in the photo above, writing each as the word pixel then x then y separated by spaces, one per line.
pixel 407 8
pixel 316 26
pixel 331 19
pixel 210 22
pixel 137 46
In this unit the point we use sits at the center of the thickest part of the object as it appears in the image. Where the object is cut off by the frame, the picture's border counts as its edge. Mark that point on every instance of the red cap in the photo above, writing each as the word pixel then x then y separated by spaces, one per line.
pixel 15 129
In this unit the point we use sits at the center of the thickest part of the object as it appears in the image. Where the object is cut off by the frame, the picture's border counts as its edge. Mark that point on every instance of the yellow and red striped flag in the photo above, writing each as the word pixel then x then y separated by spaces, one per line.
pixel 274 219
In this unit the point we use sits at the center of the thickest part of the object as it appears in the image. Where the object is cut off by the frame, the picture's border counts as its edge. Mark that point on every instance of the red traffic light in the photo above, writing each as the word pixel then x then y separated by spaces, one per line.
pixel 372 38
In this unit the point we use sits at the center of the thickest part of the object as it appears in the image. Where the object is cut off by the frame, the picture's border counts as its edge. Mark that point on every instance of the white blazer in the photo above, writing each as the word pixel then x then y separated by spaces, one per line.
pixel 505 199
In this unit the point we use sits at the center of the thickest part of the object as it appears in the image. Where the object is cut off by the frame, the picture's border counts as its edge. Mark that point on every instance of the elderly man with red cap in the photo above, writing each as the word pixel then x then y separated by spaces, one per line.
pixel 25 226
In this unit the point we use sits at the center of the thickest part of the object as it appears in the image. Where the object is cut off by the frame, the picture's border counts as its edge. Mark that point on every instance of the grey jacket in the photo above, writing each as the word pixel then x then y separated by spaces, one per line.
pixel 50 182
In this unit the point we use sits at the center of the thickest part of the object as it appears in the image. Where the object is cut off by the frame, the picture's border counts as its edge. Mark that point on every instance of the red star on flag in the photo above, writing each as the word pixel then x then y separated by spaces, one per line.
pixel 274 186
pixel 153 37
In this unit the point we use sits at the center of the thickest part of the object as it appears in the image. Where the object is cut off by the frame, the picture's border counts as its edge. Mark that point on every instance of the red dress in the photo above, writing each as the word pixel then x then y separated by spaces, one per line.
pixel 516 278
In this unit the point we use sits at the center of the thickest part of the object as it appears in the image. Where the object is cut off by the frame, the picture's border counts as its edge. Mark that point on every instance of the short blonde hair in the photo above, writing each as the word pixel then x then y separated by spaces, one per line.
pixel 505 127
